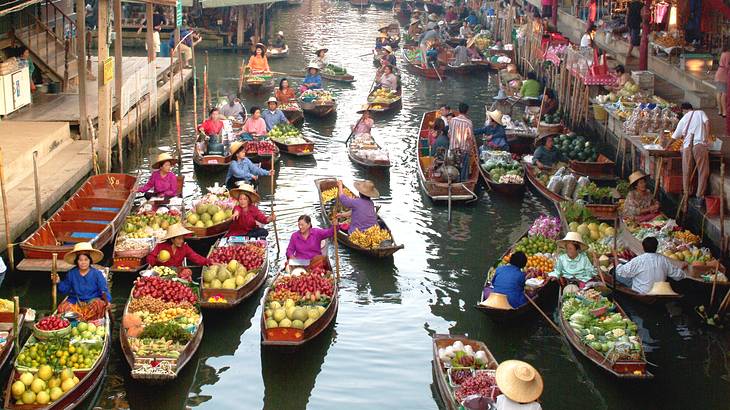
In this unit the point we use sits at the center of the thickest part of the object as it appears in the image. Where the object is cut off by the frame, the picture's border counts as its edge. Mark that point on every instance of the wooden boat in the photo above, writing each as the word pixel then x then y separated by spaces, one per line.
pixel 632 294
pixel 175 365
pixel 623 369
pixel 604 169
pixel 445 389
pixel 293 112
pixel 88 380
pixel 324 184
pixel 382 3
pixel 93 214
pixel 362 161
pixel 294 2
pixel 211 163
pixel 6 325
pixel 360 3
pixel 380 107
pixel 341 78
pixel 446 60
pixel 298 150
pixel 292 337
pixel 317 109
pixel 419 69
pixel 234 297
pixel 437 188
pixel 274 52
pixel 502 188
pixel 258 85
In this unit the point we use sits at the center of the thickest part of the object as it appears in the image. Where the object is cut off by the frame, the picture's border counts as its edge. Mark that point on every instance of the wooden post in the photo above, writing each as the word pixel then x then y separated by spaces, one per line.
pixel 37 185
pixel 118 78
pixel 80 59
pixel 120 144
pixel 92 138
pixel 16 330
pixel 722 209
pixel 240 26
pixel 54 287
pixel 105 89
pixel 149 16
pixel 177 122
pixel 195 90
pixel 8 239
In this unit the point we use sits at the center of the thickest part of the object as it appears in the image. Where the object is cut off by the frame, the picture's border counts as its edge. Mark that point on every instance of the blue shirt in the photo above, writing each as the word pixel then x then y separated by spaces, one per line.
pixel 510 280
pixel 498 134
pixel 84 288
pixel 183 32
pixel 244 169
pixel 273 118
pixel 316 79
pixel 472 20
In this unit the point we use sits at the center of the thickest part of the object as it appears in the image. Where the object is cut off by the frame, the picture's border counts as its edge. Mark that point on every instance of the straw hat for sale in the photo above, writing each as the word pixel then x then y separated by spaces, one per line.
pixel 662 289
pixel 635 177
pixel 519 381
pixel 320 49
pixel 496 116
pixel 365 108
pixel 573 237
pixel 272 100
pixel 367 188
pixel 389 49
pixel 161 160
pixel 497 301
pixel 235 147
pixel 176 230
pixel 85 248
pixel 247 189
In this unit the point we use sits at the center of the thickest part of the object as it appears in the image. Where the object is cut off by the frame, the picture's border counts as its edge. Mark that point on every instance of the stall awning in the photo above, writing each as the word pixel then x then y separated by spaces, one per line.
pixel 11 6
pixel 210 4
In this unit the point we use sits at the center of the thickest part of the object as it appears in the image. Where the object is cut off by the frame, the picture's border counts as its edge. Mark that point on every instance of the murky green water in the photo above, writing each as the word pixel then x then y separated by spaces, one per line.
pixel 378 353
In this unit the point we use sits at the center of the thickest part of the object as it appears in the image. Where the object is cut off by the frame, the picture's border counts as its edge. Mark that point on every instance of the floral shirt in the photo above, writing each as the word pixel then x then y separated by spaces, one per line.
pixel 636 201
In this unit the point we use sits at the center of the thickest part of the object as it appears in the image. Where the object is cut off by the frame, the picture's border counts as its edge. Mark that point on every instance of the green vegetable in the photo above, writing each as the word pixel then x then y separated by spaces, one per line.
pixel 167 331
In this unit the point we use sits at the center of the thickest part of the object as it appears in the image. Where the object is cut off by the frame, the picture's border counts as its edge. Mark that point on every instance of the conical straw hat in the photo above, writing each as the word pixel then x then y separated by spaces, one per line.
pixel 83 247
pixel 497 301
pixel 519 381
pixel 662 289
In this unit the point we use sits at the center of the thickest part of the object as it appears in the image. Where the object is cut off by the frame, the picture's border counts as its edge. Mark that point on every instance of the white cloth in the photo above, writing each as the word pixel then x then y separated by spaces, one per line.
pixel 504 403
pixel 155 41
pixel 585 41
pixel 696 120
pixel 647 269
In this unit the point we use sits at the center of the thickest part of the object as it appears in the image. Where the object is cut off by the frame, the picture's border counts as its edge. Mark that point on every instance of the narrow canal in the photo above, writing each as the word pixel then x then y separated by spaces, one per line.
pixel 378 354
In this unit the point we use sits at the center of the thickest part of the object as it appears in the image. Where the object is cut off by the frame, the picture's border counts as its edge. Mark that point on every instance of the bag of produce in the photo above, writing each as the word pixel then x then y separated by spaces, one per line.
pixel 555 184
pixel 569 183
pixel 560 172
pixel 582 181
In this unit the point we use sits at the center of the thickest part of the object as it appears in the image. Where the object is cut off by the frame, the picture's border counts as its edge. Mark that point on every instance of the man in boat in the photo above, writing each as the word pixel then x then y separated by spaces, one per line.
pixel 273 115
pixel 212 128
pixel 278 41
pixel 241 168
pixel 509 280
pixel 234 108
pixel 461 138
pixel 545 156
pixel 176 251
pixel 472 19
pixel 445 115
pixel 362 211
pixel 432 55
pixel 86 287
pixel 642 272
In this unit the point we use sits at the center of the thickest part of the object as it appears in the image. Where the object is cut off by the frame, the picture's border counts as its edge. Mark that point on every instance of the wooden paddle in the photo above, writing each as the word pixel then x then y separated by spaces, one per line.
pixel 54 285
pixel 16 314
pixel 532 302
pixel 276 231
pixel 8 239
pixel 437 72
pixel 334 227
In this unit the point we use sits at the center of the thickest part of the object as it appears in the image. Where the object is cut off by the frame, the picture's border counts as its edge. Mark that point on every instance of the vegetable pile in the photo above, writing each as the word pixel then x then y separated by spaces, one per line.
pixel 286 134
pixel 317 96
pixel 502 167
pixel 576 147
pixel 468 372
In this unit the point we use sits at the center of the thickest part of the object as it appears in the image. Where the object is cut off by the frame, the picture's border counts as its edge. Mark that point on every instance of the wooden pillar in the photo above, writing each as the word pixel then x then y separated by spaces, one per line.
pixel 149 11
pixel 644 45
pixel 118 59
pixel 105 88
pixel 80 61
pixel 240 26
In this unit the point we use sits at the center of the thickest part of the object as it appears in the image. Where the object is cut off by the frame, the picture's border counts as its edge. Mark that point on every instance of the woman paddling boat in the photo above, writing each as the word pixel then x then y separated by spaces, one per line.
pixel 246 215
pixel 163 182
pixel 361 212
pixel 330 71
pixel 241 169
pixel 86 286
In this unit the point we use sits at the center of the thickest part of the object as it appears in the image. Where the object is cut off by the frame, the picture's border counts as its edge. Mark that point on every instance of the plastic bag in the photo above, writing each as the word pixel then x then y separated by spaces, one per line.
pixel 569 183
pixel 555 184
pixel 582 181
pixel 560 172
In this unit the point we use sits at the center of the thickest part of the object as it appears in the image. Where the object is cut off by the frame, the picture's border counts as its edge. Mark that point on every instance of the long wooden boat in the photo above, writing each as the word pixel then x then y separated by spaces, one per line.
pixel 93 214
pixel 446 60
pixel 258 86
pixel 340 78
pixel 502 188
pixel 362 161
pixel 439 189
pixel 385 251
pixel 317 109
pixel 603 169
pixel 418 69
pixel 382 3
pixel 6 325
pixel 299 150
pixel 89 380
pixel 294 113
pixel 233 297
pixel 294 2
pixel 210 163
pixel 293 337
pixel 440 372
pixel 275 52
pixel 175 366
pixel 623 369
pixel 632 294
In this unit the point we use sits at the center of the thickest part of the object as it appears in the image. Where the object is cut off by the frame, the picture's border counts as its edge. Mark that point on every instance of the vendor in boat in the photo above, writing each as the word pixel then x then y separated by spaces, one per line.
pixel 465 31
pixel 640 204
pixel 472 18
pixel 365 123
pixel 550 103
pixel 428 36
pixel 388 79
pixel 574 264
pixel 623 78
pixel 312 81
pixel 273 115
pixel 258 63
pixel 509 280
pixel 320 59
pixel 306 243
pixel 443 29
pixel 461 54
pixel 86 287
pixel 389 58
pixel 439 140
pixel 432 54
pixel 241 168
pixel 212 126
pixel 210 142
pixel 381 41
pixel 642 272
pixel 531 88
pixel 285 94
pixel 162 182
pixel 176 250
pixel 255 125
pixel 246 215
pixel 520 384
pixel 444 115
pixel 278 41
pixel 414 29
pixel 361 209
pixel 234 109
pixel 510 74
pixel 546 155
pixel 494 131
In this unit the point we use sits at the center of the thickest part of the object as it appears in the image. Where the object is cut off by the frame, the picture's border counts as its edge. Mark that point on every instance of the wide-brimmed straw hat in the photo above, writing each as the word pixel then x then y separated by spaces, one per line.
pixel 384 28
pixel 280 33
pixel 247 189
pixel 316 52
pixel 496 116
pixel 161 159
pixel 261 46
pixel 519 381
pixel 389 49
pixel 367 188
pixel 85 248
pixel 272 100
pixel 542 136
pixel 235 147
pixel 312 65
pixel 662 289
pixel 574 237
pixel 414 21
pixel 365 108
pixel 175 230
pixel 635 177
pixel 497 301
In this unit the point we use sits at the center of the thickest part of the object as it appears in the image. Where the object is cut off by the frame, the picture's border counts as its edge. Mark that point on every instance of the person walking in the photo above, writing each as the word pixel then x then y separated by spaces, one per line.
pixel 694 129
pixel 721 83
pixel 633 23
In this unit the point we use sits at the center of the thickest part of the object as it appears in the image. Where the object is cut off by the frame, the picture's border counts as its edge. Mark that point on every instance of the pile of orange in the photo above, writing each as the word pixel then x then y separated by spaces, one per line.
pixel 543 263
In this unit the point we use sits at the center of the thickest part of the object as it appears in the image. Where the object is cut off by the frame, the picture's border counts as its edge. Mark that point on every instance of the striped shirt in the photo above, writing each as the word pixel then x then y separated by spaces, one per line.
pixel 461 133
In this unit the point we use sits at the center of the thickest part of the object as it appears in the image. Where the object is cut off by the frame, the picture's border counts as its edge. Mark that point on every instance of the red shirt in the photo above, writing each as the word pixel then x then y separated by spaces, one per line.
pixel 246 220
pixel 211 127
pixel 176 258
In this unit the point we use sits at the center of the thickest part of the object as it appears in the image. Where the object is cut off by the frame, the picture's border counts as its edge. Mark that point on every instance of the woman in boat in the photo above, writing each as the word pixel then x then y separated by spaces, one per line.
pixel 388 79
pixel 545 156
pixel 381 41
pixel 241 168
pixel 365 124
pixel 86 287
pixel 439 139
pixel 550 103
pixel 279 40
pixel 640 204
pixel 389 58
pixel 465 31
pixel 255 125
pixel 451 15
pixel 573 265
pixel 361 210
pixel 520 384
pixel 162 182
pixel 312 81
pixel 495 131
pixel 509 280
pixel 306 243
pixel 461 54
pixel 285 94
pixel 258 63
pixel 414 29
pixel 320 59
pixel 174 251
pixel 246 215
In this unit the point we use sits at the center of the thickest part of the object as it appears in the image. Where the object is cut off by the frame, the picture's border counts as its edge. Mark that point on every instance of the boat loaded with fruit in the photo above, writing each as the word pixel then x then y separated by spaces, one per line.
pixel 290 140
pixel 12 319
pixel 210 216
pixel 139 235
pixel 239 267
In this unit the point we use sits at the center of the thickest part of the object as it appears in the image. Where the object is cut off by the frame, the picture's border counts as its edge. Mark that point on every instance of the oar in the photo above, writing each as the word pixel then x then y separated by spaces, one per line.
pixel 437 72
pixel 276 232
pixel 353 130
pixel 334 227
pixel 448 178
pixel 54 286
pixel 16 314
pixel 241 78
pixel 532 302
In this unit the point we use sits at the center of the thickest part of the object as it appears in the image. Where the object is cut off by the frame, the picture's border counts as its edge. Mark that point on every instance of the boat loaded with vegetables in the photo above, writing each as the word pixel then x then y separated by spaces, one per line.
pixel 502 172
pixel 239 268
pixel 300 304
pixel 290 140
pixel 162 324
pixel 319 103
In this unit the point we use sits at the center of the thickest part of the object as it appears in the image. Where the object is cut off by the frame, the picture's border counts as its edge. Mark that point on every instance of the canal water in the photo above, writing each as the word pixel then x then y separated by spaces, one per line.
pixel 378 353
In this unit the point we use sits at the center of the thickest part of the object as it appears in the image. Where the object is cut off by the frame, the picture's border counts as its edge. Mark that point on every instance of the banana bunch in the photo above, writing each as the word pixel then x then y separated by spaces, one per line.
pixel 329 195
pixel 371 238
pixel 6 305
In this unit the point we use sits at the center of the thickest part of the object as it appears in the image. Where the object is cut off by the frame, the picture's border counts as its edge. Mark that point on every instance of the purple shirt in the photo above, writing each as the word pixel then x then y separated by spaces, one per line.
pixel 301 248
pixel 363 213
pixel 166 185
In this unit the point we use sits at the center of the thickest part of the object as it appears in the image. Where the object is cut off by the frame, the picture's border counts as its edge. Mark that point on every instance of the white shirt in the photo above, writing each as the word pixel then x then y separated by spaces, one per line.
pixel 585 41
pixel 647 269
pixel 504 403
pixel 697 120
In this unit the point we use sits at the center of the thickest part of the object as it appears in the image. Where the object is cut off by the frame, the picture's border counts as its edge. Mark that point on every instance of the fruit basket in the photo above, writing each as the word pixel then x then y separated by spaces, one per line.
pixel 41 334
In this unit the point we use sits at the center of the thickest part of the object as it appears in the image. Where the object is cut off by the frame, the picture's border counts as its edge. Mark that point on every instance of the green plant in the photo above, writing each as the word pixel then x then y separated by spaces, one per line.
pixel 575 212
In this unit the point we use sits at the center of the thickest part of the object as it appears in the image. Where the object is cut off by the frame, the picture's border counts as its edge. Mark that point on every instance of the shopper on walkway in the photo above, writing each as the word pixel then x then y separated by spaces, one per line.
pixel 633 23
pixel 721 83
pixel 694 129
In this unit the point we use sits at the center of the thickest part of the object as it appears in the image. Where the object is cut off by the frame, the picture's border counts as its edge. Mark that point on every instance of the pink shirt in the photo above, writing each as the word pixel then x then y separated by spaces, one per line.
pixel 255 126
pixel 301 248
pixel 166 185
